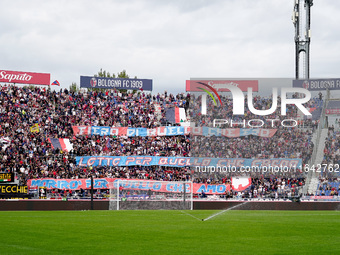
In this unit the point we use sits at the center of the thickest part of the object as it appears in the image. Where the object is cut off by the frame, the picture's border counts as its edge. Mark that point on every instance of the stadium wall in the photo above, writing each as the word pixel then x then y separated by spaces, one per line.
pixel 267 205
pixel 51 205
pixel 76 205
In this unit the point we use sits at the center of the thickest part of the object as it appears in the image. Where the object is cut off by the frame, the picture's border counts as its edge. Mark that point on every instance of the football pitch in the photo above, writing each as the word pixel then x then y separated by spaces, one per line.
pixel 170 232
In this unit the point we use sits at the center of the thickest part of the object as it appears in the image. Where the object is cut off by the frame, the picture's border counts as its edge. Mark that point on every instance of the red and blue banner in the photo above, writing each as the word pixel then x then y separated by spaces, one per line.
pixel 171 131
pixel 243 163
pixel 132 161
pixel 232 132
pixel 129 132
pixel 135 184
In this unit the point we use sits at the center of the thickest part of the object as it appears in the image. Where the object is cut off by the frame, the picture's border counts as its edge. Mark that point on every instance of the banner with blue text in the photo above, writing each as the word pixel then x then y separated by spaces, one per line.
pixel 186 162
pixel 134 184
pixel 172 131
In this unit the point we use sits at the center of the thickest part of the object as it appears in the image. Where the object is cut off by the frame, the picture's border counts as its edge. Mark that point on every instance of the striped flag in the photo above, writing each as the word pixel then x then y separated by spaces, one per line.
pixel 175 115
pixel 61 143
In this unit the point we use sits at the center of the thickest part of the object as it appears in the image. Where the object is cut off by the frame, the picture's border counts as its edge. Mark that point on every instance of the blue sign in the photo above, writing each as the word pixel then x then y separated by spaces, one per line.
pixel 115 83
pixel 317 84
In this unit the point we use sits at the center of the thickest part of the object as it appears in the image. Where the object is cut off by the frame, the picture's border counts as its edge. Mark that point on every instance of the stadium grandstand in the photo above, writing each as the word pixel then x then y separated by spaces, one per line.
pixel 43 132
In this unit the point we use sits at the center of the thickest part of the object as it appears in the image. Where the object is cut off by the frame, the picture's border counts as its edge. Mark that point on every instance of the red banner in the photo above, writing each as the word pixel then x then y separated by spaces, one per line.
pixel 133 184
pixel 24 77
pixel 332 111
pixel 219 85
pixel 321 197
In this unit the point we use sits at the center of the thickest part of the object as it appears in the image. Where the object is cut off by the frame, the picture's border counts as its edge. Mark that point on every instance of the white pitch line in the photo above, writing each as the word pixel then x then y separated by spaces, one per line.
pixel 192 216
pixel 231 208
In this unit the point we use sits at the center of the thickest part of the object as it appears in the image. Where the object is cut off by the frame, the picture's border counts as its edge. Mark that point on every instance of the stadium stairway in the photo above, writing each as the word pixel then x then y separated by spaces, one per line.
pixel 313 175
pixel 316 114
pixel 314 137
pixel 308 176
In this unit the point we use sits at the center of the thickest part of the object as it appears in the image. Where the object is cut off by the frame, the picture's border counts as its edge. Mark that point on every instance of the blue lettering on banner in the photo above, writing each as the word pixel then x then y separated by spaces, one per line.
pixel 184 161
pixel 100 184
pixel 169 131
pixel 63 185
pixel 202 189
pixel 135 185
pixel 177 187
pixel 139 185
pixel 142 132
pixel 131 132
pixel 144 185
pixel 88 183
pixel 97 183
pixel 219 189
pixel 172 187
pixel 44 183
pixel 211 188
pixel 74 184
pixel 35 183
pixel 157 186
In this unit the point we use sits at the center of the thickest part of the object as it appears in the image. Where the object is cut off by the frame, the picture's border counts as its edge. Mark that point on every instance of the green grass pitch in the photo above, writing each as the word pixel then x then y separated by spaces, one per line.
pixel 170 232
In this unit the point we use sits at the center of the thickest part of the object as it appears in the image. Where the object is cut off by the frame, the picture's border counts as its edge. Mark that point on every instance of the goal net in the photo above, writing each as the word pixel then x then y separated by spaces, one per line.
pixel 150 195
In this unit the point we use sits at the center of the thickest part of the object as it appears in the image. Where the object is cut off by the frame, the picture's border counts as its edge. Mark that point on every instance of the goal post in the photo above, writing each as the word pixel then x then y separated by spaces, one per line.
pixel 128 194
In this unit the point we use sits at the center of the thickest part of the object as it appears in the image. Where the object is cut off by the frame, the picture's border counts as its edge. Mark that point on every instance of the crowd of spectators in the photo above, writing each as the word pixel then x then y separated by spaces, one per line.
pixel 328 188
pixel 275 187
pixel 329 174
pixel 332 148
pixel 168 146
pixel 296 143
pixel 30 154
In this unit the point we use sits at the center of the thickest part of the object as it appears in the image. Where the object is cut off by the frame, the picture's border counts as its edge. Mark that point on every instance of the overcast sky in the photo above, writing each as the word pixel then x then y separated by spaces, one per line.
pixel 167 41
